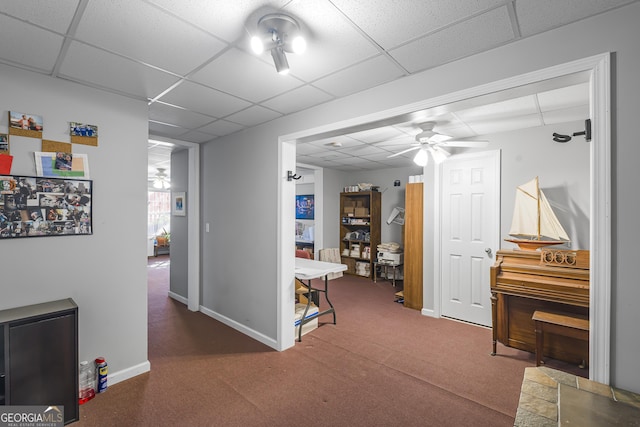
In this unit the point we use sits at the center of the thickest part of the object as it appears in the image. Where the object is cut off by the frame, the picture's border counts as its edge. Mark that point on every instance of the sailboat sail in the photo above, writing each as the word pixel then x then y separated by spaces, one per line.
pixel 533 217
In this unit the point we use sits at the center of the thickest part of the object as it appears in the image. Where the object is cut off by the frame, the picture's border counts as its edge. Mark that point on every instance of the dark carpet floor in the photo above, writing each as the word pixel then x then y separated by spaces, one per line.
pixel 381 365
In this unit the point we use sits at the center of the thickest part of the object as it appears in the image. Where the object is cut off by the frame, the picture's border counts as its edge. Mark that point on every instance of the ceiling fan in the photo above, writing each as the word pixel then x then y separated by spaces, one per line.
pixel 161 180
pixel 430 141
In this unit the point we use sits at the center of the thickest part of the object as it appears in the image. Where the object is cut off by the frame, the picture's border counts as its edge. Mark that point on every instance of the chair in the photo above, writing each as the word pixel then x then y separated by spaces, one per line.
pixel 301 253
pixel 331 255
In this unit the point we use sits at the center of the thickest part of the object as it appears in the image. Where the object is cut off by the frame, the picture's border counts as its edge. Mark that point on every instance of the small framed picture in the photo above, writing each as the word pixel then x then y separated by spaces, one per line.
pixel 179 206
pixel 4 143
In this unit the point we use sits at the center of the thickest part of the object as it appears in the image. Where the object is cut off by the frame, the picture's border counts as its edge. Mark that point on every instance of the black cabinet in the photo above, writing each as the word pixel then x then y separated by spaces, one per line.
pixel 39 356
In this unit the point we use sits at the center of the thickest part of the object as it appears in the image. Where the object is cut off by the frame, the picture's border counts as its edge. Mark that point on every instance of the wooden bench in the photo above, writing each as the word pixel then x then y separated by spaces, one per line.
pixel 566 325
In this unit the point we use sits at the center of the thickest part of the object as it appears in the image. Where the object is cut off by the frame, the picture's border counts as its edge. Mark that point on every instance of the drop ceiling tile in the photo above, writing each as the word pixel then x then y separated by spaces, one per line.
pixel 138 30
pixel 28 45
pixel 204 100
pixel 336 142
pixel 221 128
pixel 330 155
pixel 509 108
pixel 253 116
pixel 177 116
pixel 104 69
pixel 229 21
pixel 367 74
pixel 54 15
pixel 333 43
pixel 321 163
pixel 162 129
pixel 382 156
pixel 498 125
pixel 308 149
pixel 536 16
pixel 197 137
pixel 566 115
pixel 476 35
pixel 245 76
pixel 378 134
pixel 363 150
pixel 351 161
pixel 297 100
pixel 566 97
pixel 411 19
pixel 396 144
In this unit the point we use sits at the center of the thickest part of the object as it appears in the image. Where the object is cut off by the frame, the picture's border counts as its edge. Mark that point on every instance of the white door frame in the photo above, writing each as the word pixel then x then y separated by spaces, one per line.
pixel 600 211
pixel 318 216
pixel 193 219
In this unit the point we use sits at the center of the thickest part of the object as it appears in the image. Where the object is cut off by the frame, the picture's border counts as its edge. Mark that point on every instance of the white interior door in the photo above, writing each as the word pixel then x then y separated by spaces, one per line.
pixel 470 233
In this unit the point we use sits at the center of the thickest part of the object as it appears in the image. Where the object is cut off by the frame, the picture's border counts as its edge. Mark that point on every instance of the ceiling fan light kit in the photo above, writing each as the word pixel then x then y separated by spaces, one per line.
pixel 278 33
pixel 429 141
pixel 161 180
pixel 421 158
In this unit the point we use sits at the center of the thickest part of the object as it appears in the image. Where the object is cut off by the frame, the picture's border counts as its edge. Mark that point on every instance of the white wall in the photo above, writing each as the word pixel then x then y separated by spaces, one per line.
pixel 105 273
pixel 239 268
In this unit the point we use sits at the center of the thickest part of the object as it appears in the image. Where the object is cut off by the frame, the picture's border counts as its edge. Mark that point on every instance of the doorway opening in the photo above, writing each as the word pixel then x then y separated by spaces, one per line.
pixel 598 69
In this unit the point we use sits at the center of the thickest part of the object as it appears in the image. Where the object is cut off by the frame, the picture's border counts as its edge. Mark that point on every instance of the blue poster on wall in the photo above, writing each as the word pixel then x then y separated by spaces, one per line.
pixel 304 206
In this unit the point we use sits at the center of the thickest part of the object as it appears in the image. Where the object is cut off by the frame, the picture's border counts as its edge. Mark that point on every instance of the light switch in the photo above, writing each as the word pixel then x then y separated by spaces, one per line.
pixel 206 227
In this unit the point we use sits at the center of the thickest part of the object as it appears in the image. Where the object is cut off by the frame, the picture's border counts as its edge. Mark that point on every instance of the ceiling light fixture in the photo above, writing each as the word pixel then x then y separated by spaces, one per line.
pixel 278 33
pixel 161 181
pixel 422 156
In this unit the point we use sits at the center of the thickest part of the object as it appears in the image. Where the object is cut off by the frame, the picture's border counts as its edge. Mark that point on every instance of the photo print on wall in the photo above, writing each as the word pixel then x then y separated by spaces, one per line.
pixel 82 133
pixel 24 124
pixel 38 206
pixel 4 143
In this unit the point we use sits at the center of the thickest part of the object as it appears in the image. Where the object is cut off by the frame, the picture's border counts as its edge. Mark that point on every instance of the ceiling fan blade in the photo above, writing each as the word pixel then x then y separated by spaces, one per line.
pixel 466 144
pixel 440 137
pixel 404 151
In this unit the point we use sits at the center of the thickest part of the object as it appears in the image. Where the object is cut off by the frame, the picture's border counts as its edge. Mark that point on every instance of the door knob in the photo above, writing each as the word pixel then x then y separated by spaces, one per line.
pixel 488 251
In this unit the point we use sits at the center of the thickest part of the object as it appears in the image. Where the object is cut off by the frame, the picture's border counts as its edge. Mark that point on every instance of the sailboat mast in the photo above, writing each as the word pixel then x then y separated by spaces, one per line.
pixel 538 197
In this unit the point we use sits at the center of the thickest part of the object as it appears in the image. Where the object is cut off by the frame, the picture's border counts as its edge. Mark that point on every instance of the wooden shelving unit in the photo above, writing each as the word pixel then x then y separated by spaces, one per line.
pixel 360 231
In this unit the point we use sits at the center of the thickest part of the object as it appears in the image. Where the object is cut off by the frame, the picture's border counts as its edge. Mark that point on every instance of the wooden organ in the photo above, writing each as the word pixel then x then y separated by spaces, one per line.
pixel 549 280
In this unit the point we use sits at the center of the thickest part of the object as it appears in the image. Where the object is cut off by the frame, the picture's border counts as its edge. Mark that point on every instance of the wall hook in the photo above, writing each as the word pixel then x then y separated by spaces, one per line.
pixel 561 138
pixel 566 138
pixel 291 175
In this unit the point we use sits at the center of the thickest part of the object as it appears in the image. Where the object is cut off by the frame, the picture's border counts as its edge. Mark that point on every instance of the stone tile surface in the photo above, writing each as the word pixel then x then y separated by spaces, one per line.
pixel 551 398
pixel 525 418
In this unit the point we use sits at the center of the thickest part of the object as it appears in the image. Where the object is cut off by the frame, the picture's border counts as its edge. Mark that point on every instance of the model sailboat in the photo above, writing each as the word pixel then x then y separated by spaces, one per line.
pixel 534 223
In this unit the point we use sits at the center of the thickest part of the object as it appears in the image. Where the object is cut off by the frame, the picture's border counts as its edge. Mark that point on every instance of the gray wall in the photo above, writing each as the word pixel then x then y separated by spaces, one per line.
pixel 105 273
pixel 391 196
pixel 243 206
pixel 334 182
pixel 178 272
pixel 563 171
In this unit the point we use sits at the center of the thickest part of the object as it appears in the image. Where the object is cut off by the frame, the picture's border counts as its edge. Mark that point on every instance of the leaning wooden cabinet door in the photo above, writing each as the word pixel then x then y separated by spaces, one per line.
pixel 413 245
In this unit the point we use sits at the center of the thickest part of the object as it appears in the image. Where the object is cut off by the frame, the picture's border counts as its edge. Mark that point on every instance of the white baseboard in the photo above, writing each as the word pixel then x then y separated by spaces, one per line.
pixel 428 312
pixel 128 373
pixel 178 298
pixel 241 328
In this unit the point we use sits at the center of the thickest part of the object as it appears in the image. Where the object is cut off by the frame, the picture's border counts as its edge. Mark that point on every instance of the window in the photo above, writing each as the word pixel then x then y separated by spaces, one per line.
pixel 159 213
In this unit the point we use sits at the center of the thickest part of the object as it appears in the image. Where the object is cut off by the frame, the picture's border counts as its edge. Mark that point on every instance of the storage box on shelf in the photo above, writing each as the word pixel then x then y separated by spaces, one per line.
pixel 359 230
